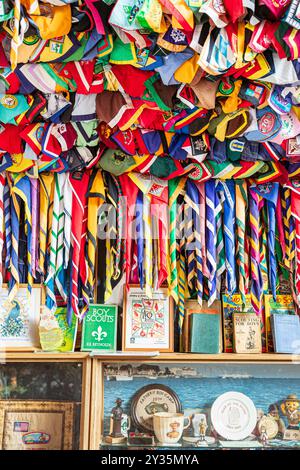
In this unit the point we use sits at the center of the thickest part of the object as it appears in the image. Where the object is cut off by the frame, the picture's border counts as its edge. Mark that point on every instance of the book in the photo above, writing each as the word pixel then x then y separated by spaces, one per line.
pixel 205 333
pixel 286 333
pixel 284 305
pixel 247 333
pixel 55 333
pixel 193 307
pixel 235 304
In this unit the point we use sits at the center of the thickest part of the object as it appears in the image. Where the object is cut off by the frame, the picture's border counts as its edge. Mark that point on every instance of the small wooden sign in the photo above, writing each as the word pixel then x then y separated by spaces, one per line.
pixel 99 330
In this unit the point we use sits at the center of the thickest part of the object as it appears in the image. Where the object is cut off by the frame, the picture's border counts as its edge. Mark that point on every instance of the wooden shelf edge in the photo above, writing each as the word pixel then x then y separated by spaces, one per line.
pixel 42 356
pixel 188 357
pixel 163 357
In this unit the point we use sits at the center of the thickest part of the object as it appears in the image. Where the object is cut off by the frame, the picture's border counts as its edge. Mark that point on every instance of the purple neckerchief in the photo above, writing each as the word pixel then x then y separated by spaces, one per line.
pixel 34 189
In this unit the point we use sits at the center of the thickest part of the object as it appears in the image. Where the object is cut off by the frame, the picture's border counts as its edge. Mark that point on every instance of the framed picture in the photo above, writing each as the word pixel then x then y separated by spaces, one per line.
pixel 36 425
pixel 99 330
pixel 19 319
pixel 148 324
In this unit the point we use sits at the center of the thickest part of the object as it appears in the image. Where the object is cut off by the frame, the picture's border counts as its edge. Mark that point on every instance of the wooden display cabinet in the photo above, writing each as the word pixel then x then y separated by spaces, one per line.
pixel 242 363
pixel 71 381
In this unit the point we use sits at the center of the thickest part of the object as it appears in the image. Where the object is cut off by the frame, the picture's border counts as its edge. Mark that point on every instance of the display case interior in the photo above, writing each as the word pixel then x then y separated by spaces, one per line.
pixel 40 405
pixel 224 405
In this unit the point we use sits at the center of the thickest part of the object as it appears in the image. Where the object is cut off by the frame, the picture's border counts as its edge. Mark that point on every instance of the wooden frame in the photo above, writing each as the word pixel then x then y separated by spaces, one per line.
pixel 33 327
pixel 170 323
pixel 97 386
pixel 78 357
pixel 24 409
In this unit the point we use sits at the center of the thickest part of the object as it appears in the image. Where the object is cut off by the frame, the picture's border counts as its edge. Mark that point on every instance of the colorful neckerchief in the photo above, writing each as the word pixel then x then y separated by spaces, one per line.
pixel 256 291
pixel 45 216
pixel 140 236
pixel 192 198
pixel 269 192
pixel 2 186
pixel 22 188
pixel 79 184
pixel 229 234
pixel 96 197
pixel 221 265
pixel 176 185
pixel 241 201
pixel 130 192
pixel 35 225
pixel 211 237
pixel 294 186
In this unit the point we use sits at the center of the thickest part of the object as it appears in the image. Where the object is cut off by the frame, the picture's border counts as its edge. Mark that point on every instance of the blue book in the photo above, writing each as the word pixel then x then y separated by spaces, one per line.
pixel 205 333
pixel 286 333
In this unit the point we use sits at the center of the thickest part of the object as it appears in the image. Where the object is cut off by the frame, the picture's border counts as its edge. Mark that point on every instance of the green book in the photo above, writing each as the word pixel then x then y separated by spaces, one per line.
pixel 205 333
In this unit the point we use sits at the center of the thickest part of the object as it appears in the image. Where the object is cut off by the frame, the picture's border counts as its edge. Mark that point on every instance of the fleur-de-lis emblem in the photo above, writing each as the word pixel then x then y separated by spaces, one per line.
pixel 98 334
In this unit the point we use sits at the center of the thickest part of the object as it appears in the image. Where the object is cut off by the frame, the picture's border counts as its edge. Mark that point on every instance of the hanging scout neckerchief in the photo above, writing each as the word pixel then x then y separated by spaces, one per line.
pixel 2 186
pixel 159 213
pixel 189 241
pixel 140 236
pixel 289 228
pixel 192 200
pixel 21 188
pixel 211 237
pixel 256 276
pixel 111 233
pixel 45 217
pixel 220 246
pixel 130 192
pixel 181 264
pixel 79 184
pixel 176 186
pixel 294 186
pixel 263 247
pixel 35 225
pixel 96 197
pixel 269 192
pixel 241 199
pixel 7 222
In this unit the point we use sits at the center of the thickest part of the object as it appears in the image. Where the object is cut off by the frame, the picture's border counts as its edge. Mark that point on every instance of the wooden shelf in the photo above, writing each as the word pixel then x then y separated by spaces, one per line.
pixel 42 356
pixel 188 357
pixel 163 357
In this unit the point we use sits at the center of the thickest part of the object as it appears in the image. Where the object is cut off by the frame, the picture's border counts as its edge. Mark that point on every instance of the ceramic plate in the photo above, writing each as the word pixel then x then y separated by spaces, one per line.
pixel 233 416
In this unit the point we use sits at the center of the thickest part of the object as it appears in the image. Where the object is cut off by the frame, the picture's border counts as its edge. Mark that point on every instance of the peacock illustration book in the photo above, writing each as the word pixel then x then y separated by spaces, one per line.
pixel 13 322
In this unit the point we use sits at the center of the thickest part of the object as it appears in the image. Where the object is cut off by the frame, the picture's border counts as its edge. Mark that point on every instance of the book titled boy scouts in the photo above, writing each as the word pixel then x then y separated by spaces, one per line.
pixel 284 305
pixel 230 306
pixel 99 330
pixel 246 333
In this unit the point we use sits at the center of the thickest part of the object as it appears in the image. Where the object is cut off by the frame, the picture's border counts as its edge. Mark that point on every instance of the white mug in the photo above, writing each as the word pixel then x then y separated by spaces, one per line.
pixel 168 427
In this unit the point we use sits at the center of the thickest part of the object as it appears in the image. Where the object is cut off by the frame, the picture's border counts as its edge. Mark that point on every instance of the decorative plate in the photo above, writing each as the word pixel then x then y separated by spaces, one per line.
pixel 149 400
pixel 233 416
pixel 270 425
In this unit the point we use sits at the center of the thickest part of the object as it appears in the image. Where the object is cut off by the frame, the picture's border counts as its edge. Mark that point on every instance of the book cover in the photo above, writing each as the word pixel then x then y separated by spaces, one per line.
pixel 193 307
pixel 286 333
pixel 205 333
pixel 55 333
pixel 284 305
pixel 235 304
pixel 247 333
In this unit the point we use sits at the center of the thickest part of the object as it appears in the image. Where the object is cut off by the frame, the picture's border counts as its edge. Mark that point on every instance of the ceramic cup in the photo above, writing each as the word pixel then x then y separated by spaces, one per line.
pixel 168 427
